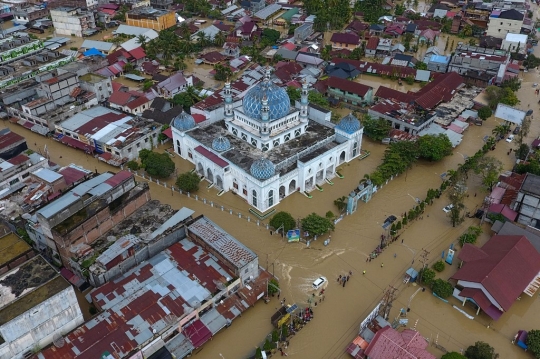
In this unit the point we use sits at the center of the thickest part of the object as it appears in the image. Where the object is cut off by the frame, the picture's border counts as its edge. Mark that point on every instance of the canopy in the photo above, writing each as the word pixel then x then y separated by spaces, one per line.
pixel 93 52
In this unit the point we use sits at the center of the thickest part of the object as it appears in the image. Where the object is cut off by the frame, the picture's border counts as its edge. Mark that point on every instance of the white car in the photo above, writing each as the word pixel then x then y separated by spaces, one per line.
pixel 318 282
pixel 510 138
pixel 535 84
pixel 448 208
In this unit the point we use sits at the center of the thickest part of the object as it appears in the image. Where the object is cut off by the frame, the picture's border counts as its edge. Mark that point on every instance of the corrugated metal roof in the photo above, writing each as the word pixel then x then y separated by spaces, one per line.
pixel 264 13
pixel 180 216
pixel 117 248
pixel 47 175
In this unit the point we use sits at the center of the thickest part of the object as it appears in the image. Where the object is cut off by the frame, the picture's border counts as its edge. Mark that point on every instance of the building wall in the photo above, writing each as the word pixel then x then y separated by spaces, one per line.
pixel 500 27
pixel 71 23
pixel 102 88
pixel 21 173
pixel 161 23
pixel 96 226
pixel 400 125
pixel 35 328
pixel 354 99
pixel 341 45
pixel 14 263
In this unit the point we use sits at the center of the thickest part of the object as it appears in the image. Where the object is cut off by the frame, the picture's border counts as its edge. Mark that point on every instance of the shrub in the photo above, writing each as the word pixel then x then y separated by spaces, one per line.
pixel 426 276
pixel 133 165
pixel 439 266
pixel 188 182
pixel 442 288
pixel 329 215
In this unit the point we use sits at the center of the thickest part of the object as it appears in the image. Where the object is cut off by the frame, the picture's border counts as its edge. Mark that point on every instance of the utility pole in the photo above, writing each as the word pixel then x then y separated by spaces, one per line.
pixel 386 302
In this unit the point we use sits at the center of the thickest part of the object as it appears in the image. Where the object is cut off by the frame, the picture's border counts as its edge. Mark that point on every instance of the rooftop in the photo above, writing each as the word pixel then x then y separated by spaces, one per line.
pixel 11 247
pixel 147 12
pixel 26 286
pixel 9 138
pixel 222 242
pixel 47 175
pixel 243 155
pixel 531 185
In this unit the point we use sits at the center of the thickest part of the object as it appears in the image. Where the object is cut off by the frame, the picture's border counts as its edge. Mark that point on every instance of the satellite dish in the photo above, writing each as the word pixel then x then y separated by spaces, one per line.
pixel 58 340
pixel 26 216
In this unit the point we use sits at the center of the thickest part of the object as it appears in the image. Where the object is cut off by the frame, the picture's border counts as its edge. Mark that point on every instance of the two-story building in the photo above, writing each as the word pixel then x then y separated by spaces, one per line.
pixel 100 85
pixel 347 91
pixel 504 22
pixel 73 21
pixel 347 40
pixel 472 61
pixel 173 85
pixel 527 203
pixel 151 18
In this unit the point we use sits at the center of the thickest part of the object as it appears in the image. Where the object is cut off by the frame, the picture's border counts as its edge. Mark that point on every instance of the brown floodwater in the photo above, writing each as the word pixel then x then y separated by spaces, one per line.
pixel 296 265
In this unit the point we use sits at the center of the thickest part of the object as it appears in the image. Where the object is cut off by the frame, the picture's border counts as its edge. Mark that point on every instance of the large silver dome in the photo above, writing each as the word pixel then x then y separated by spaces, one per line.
pixel 221 144
pixel 349 124
pixel 278 100
pixel 184 121
pixel 262 169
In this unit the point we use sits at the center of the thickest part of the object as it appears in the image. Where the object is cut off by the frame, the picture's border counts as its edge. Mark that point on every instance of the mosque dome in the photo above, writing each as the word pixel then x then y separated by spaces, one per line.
pixel 262 169
pixel 221 144
pixel 349 124
pixel 278 100
pixel 184 121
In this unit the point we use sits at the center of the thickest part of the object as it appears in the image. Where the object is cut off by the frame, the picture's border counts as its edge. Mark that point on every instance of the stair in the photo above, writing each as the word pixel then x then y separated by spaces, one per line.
pixel 329 182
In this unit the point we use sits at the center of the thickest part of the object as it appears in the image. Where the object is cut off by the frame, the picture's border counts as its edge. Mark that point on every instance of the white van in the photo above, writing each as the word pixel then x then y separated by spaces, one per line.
pixel 318 282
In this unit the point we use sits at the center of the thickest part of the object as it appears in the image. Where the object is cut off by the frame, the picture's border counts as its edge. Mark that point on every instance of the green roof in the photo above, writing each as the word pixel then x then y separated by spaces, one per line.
pixel 11 247
pixel 289 14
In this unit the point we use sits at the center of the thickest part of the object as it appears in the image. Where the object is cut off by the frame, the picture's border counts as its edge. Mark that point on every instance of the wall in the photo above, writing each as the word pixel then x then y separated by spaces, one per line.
pixel 35 328
pixel 500 27
pixel 161 23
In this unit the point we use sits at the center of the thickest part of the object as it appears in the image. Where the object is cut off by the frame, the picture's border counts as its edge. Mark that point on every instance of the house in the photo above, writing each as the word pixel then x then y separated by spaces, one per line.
pixel 303 31
pixel 150 18
pixel 389 343
pixel 474 60
pixel 342 70
pixel 213 58
pixel 288 71
pixel 371 46
pixel 11 144
pixel 73 22
pixel 410 28
pixel 231 49
pixel 347 91
pixel 175 84
pixel 384 47
pixel 490 42
pixel 358 27
pixel 253 5
pixel 515 43
pixel 527 201
pixel 403 60
pixel 376 29
pixel 428 36
pixel 397 49
pixel 494 276
pixel 438 11
pixel 437 63
pixel 395 30
pixel 423 24
pixel 132 102
pixel 504 22
pixel 309 60
pixel 246 30
pixel 345 41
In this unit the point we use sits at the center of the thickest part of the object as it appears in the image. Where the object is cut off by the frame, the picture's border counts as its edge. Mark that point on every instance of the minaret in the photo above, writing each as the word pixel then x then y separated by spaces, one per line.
pixel 265 116
pixel 228 102
pixel 304 102
pixel 267 73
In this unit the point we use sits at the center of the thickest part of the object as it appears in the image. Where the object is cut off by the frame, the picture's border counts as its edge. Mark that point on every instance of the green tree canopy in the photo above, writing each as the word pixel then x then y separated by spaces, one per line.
pixel 317 99
pixel 498 95
pixel 420 65
pixel 453 355
pixel 188 182
pixel 533 342
pixel 269 37
pixel 470 236
pixel 488 168
pixel 442 288
pixel 531 61
pixel 294 94
pixel 480 350
pixel 426 276
pixel 316 225
pixel 157 164
pixel 376 129
pixel 284 219
pixel 522 151
pixel 484 113
pixel 434 147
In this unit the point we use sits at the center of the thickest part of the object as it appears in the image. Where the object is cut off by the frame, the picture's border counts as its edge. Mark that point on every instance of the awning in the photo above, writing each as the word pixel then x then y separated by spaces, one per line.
pixel 93 52
pixel 76 144
pixel 168 132
pixel 212 157
pixel 28 124
pixel 197 333
pixel 134 77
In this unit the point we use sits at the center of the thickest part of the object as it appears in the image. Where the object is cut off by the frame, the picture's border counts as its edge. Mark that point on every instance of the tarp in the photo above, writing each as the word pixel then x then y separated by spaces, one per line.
pixel 93 52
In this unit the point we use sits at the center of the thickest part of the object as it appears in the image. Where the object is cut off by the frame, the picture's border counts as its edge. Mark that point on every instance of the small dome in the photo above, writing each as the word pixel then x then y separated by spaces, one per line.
pixel 262 169
pixel 221 144
pixel 277 97
pixel 349 124
pixel 184 121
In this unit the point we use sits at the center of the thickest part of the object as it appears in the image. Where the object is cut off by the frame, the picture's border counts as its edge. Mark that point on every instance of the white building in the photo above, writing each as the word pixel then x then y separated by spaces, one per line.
pixel 73 21
pixel 508 21
pixel 514 42
pixel 37 307
pixel 265 150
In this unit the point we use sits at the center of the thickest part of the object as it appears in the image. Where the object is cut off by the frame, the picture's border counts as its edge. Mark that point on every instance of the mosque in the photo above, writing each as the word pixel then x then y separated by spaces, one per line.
pixel 266 149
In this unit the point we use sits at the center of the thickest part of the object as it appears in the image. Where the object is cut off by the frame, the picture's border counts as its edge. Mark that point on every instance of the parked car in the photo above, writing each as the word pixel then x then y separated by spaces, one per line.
pixel 318 282
pixel 448 208
pixel 510 138
pixel 516 130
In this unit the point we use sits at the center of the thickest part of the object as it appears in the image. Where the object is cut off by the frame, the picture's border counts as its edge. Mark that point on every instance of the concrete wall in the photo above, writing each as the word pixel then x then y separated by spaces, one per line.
pixel 35 328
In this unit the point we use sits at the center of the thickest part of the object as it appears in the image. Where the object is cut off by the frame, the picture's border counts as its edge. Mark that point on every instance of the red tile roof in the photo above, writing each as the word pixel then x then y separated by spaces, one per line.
pixel 286 72
pixel 347 85
pixel 510 264
pixel 97 123
pixel 168 132
pixel 138 53
pixel 443 88
pixel 118 178
pixel 389 343
pixel 372 43
pixel 212 157
pixel 120 98
pixel 198 117
pixel 72 175
pixel 346 38
pixel 9 139
pixel 390 94
pixel 289 46
pixel 214 57
pixel 19 159
pixel 139 101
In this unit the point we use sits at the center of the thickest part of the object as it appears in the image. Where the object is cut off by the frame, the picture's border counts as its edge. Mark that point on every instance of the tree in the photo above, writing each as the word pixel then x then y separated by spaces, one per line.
pixel 188 182
pixel 531 61
pixel 284 219
pixel 524 131
pixel 330 215
pixel 133 165
pixel 316 225
pixel 522 151
pixel 434 147
pixel 471 236
pixel 326 53
pixel 294 94
pixel 480 350
pixel 269 37
pixel 426 276
pixel 157 164
pixel 489 169
pixel 147 84
pixel 341 203
pixel 501 130
pixel 222 72
pixel 376 129
pixel 420 65
pixel 453 355
pixel 273 286
pixel 533 342
pixel 141 40
pixel 498 95
pixel 220 39
pixel 438 266
pixel 513 84
pixel 442 288
pixel 484 113
pixel 317 99
pixel 456 194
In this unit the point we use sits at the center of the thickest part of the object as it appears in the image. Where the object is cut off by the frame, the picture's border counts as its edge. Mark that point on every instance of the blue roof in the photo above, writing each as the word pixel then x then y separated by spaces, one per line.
pixel 221 144
pixel 278 101
pixel 439 58
pixel 184 121
pixel 349 124
pixel 262 169
pixel 93 52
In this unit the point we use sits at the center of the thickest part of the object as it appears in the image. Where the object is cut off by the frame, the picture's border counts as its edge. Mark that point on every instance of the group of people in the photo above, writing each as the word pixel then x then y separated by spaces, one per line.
pixel 343 279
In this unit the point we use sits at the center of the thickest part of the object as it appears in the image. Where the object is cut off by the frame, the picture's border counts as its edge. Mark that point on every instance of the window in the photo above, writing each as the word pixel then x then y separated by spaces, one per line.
pixel 243 136
pixel 287 137
pixel 297 133
pixel 129 149
pixel 146 140
pixel 265 147
pixel 254 198
pixel 270 198
pixel 235 131
pixel 254 142
pixel 276 142
pixel 117 153
pixel 235 185
pixel 138 145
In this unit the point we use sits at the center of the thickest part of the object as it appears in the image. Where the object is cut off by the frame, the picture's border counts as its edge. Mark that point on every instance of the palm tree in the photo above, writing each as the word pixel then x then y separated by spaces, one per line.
pixel 326 53
pixel 141 40
pixel 202 39
pixel 184 31
pixel 500 130
pixel 467 30
pixel 219 39
pixel 341 203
